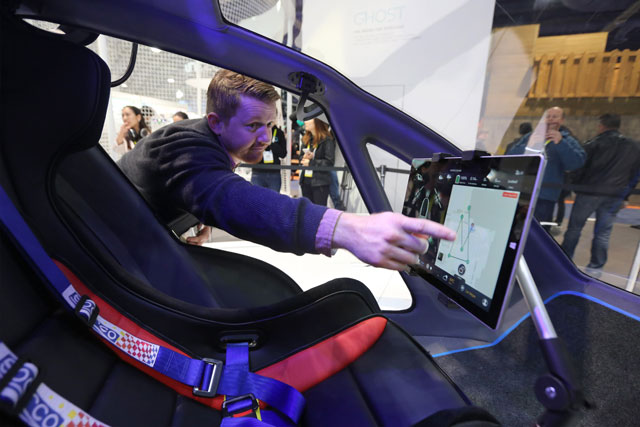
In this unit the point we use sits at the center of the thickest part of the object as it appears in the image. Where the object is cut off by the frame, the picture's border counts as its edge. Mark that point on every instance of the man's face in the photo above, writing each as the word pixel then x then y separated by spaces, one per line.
pixel 248 132
pixel 554 118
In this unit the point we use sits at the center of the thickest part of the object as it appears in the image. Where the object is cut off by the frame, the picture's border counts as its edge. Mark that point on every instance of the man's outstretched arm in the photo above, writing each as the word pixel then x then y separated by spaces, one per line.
pixel 388 240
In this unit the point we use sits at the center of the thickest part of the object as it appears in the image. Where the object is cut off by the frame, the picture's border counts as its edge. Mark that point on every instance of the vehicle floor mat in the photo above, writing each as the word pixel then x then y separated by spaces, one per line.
pixel 603 345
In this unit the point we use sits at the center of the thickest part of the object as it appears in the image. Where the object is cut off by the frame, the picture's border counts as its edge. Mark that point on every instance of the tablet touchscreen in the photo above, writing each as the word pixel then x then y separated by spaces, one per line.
pixel 487 201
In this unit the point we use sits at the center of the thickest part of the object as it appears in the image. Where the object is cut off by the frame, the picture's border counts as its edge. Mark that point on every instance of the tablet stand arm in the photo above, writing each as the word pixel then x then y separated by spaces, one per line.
pixel 558 390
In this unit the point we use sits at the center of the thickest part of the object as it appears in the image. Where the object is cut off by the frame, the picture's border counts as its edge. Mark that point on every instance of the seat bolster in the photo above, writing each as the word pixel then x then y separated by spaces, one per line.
pixel 395 383
pixel 466 416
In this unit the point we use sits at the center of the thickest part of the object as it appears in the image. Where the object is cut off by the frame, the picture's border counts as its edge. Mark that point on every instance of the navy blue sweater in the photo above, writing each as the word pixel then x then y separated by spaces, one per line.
pixel 183 167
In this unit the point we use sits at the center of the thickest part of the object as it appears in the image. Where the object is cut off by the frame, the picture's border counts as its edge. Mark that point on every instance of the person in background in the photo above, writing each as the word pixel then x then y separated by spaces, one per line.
pixel 334 188
pixel 180 116
pixel 562 152
pixel 334 191
pixel 188 166
pixel 523 129
pixel 133 128
pixel 297 131
pixel 564 193
pixel 318 150
pixel 610 173
pixel 271 178
pixel 560 204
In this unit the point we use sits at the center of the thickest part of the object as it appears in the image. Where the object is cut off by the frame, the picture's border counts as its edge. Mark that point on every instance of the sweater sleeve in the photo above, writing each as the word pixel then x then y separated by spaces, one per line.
pixel 570 152
pixel 324 237
pixel 200 180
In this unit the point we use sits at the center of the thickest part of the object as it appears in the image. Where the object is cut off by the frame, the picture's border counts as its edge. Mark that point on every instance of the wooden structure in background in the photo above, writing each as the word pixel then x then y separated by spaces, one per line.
pixel 586 75
pixel 589 42
pixel 525 67
pixel 527 74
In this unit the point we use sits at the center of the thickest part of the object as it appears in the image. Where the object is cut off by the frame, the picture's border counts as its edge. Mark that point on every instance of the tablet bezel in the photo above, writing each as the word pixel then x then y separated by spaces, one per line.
pixel 504 282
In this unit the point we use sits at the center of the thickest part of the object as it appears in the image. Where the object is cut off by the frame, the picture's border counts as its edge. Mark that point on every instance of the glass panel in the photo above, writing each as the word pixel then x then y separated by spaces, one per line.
pixel 559 76
pixel 512 63
pixel 162 84
pixel 394 174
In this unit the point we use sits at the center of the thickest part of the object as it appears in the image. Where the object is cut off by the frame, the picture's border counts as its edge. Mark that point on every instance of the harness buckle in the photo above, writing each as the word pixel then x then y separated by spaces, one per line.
pixel 18 384
pixel 239 404
pixel 210 378
pixel 87 310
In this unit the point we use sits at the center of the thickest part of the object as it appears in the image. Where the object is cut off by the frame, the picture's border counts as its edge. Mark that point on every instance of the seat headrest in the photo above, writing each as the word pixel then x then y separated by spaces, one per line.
pixel 54 94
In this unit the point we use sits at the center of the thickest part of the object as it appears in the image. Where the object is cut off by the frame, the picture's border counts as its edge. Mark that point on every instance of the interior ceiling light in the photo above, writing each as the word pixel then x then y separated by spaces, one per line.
pixel 155 50
pixel 179 94
pixel 171 80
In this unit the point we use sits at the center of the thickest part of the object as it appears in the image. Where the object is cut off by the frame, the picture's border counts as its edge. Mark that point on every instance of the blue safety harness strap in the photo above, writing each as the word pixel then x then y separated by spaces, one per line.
pixel 166 361
pixel 37 405
pixel 235 380
pixel 269 418
pixel 29 245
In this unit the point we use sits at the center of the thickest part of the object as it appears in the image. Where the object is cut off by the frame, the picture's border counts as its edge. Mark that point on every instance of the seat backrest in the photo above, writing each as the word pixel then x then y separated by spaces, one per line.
pixel 50 136
pixel 74 196
pixel 89 217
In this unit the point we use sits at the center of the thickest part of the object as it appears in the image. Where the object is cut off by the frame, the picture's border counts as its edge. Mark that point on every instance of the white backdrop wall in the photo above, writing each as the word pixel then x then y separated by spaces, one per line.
pixel 427 58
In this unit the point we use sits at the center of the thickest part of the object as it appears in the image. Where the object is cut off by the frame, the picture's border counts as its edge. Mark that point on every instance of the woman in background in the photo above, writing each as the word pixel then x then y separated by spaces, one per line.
pixel 133 128
pixel 318 150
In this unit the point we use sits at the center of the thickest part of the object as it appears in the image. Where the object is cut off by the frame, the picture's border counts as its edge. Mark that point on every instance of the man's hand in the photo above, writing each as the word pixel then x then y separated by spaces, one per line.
pixel 203 236
pixel 388 240
pixel 553 135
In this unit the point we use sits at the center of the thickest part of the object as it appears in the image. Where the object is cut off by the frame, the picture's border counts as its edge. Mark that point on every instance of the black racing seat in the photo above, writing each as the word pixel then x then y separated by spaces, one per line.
pixel 89 219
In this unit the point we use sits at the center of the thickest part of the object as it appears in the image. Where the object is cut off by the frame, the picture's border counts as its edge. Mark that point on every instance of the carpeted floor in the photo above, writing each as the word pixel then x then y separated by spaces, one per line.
pixel 605 346
pixel 630 215
pixel 627 216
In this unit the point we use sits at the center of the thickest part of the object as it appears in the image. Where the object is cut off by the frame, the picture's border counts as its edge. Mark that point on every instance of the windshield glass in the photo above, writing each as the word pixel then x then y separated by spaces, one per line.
pixel 556 77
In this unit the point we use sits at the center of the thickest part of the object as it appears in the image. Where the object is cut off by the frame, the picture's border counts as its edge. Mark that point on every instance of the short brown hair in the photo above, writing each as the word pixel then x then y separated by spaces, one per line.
pixel 226 88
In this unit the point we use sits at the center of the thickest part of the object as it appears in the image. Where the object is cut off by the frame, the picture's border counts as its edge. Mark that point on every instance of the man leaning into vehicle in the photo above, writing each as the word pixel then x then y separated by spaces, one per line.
pixel 189 166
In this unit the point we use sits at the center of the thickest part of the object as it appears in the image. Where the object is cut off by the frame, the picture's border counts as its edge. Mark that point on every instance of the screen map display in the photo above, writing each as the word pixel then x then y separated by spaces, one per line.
pixel 478 216
pixel 486 202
